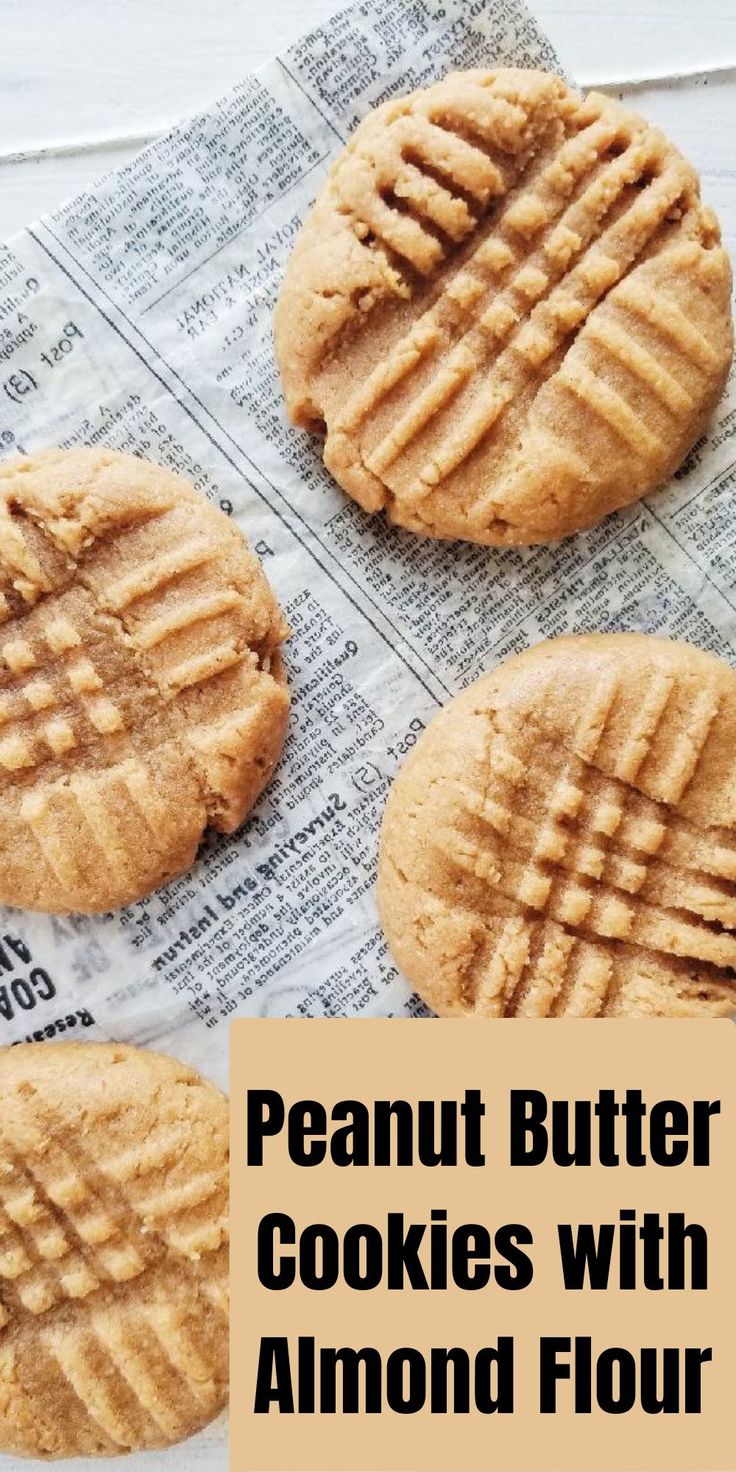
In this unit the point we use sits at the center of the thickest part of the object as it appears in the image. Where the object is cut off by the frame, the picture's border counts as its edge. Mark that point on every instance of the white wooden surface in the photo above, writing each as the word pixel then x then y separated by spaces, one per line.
pixel 77 75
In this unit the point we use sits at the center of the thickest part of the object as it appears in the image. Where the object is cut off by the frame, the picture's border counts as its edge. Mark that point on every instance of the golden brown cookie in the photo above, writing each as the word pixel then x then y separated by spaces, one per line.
pixel 142 692
pixel 508 308
pixel 113 1250
pixel 562 839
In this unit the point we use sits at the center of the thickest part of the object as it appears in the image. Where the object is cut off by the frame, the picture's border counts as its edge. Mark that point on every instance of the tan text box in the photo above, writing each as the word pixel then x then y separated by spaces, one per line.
pixel 508 1343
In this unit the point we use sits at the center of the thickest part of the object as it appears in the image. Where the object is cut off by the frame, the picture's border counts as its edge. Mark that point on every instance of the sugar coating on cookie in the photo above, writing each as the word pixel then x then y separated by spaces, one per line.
pixel 508 308
pixel 113 1250
pixel 142 693
pixel 562 839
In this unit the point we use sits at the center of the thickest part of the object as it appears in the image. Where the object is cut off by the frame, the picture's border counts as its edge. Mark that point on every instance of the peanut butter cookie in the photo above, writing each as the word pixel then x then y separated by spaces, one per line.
pixel 113 1250
pixel 562 839
pixel 508 308
pixel 142 693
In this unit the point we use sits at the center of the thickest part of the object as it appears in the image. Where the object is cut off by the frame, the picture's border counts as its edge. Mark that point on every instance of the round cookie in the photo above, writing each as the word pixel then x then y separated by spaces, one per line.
pixel 562 839
pixel 113 1250
pixel 142 692
pixel 508 308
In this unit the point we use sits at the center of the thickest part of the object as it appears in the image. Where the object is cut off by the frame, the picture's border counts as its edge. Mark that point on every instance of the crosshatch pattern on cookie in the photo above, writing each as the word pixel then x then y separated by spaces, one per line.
pixel 35 721
pixel 113 1280
pixel 498 312
pixel 570 881
pixel 139 640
